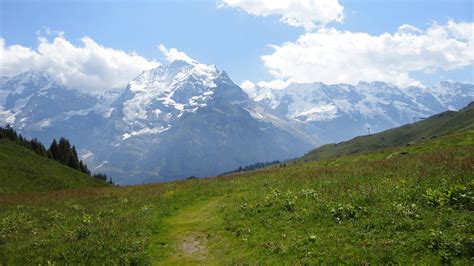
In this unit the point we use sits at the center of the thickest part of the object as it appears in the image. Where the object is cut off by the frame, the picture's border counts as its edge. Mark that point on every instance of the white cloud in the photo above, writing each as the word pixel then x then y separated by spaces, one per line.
pixel 247 85
pixel 262 87
pixel 173 54
pixel 333 56
pixel 274 84
pixel 249 88
pixel 89 68
pixel 298 13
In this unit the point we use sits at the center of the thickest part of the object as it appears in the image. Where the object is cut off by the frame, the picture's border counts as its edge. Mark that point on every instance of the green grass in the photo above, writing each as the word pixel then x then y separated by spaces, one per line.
pixel 407 205
pixel 22 170
pixel 196 236
pixel 430 128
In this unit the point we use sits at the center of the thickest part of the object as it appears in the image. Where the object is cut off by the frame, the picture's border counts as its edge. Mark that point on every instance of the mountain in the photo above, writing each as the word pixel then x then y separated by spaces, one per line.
pixel 432 127
pixel 41 107
pixel 22 170
pixel 333 113
pixel 188 118
pixel 177 120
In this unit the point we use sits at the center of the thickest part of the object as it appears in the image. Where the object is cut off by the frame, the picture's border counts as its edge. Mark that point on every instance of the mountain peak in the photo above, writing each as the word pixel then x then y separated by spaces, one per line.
pixel 163 94
pixel 180 64
pixel 33 76
pixel 29 81
pixel 178 71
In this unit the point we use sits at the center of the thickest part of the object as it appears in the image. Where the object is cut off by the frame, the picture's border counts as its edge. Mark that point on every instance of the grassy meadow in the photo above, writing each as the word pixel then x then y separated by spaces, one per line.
pixel 22 170
pixel 412 204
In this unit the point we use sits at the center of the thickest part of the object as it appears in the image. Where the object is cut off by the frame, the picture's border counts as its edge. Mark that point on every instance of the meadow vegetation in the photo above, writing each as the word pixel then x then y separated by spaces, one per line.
pixel 23 170
pixel 410 204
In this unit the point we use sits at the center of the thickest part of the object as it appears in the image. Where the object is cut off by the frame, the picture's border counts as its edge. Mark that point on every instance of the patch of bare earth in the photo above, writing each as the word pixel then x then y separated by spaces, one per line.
pixel 194 245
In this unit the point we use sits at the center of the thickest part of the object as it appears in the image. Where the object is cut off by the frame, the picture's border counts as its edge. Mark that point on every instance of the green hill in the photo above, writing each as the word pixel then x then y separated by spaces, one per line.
pixel 432 127
pixel 401 205
pixel 22 170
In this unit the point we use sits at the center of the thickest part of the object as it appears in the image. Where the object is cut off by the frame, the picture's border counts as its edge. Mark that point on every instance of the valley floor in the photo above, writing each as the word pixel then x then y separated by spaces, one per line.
pixel 408 205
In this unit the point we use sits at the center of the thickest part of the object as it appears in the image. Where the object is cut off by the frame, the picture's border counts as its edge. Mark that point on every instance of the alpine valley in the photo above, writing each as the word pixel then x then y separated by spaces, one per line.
pixel 190 119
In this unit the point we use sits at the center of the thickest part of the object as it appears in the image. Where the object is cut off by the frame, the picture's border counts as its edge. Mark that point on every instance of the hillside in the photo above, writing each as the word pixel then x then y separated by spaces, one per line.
pixel 406 205
pixel 22 170
pixel 431 127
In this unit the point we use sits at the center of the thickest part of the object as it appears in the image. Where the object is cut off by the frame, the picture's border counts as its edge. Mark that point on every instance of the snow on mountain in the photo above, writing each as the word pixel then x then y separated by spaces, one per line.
pixel 337 112
pixel 41 107
pixel 453 95
pixel 187 118
pixel 158 96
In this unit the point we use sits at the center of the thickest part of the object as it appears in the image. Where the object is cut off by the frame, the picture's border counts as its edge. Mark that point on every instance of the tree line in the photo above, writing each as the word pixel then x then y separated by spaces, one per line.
pixel 61 151
pixel 254 166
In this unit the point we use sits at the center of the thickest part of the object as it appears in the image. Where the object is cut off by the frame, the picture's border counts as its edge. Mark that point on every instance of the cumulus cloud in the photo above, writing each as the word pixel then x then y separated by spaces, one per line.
pixel 90 68
pixel 333 56
pixel 253 90
pixel 274 84
pixel 247 85
pixel 298 13
pixel 173 54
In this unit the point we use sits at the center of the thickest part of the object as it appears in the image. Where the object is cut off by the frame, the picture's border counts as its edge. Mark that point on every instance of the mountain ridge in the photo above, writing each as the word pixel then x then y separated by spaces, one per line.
pixel 143 125
pixel 432 127
pixel 338 112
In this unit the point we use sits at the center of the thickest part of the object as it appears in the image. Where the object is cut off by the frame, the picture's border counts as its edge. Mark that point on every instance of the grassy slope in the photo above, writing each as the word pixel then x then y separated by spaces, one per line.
pixel 378 207
pixel 432 127
pixel 22 170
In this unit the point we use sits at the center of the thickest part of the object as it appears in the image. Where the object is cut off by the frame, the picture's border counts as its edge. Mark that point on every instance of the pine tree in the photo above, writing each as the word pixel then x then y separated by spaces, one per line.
pixel 73 158
pixel 10 134
pixel 73 163
pixel 64 151
pixel 100 176
pixel 83 168
pixel 37 147
pixel 53 150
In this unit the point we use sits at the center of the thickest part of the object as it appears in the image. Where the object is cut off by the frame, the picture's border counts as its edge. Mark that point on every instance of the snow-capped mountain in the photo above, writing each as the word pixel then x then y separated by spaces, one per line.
pixel 186 118
pixel 157 97
pixel 38 106
pixel 338 112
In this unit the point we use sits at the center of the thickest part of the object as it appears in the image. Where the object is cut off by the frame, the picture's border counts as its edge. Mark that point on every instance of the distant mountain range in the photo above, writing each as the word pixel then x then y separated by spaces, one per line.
pixel 187 118
pixel 333 113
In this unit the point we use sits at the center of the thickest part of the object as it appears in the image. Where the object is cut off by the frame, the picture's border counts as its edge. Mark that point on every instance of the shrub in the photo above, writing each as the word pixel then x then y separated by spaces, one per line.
pixel 343 212
pixel 309 193
pixel 449 246
pixel 460 197
pixel 404 209
pixel 290 201
pixel 286 200
pixel 272 198
pixel 434 198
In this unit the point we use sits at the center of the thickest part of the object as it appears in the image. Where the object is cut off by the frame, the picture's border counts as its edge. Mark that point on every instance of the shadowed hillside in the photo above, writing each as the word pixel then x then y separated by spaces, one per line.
pixel 23 170
pixel 429 128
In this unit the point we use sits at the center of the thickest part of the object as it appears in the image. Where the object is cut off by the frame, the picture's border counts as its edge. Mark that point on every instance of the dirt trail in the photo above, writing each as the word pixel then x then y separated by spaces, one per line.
pixel 190 234
pixel 194 245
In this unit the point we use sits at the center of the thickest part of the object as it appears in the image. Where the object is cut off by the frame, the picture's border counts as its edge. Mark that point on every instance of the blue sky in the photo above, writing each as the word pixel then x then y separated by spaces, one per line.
pixel 230 38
